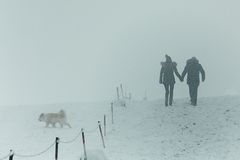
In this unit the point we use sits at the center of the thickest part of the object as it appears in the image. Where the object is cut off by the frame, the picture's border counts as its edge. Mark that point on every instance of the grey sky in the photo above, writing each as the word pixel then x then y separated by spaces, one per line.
pixel 58 51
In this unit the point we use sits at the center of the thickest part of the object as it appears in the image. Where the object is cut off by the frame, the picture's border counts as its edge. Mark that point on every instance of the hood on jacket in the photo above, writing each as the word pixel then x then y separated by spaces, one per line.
pixel 192 60
pixel 168 58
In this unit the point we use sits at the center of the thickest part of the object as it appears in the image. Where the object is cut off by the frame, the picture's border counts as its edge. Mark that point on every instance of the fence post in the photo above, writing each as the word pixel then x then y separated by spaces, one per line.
pixel 105 125
pixel 56 148
pixel 122 91
pixel 11 154
pixel 112 112
pixel 100 129
pixel 118 93
pixel 84 146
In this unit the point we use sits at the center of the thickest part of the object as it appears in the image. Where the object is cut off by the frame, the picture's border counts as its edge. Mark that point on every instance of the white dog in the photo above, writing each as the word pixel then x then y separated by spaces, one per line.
pixel 53 118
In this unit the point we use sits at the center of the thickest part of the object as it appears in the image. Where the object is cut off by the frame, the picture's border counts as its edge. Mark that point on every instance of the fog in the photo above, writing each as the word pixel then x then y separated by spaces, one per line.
pixel 74 51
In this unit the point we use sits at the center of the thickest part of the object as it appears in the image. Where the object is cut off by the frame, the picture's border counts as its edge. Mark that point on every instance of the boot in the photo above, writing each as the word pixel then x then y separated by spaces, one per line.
pixel 170 100
pixel 166 100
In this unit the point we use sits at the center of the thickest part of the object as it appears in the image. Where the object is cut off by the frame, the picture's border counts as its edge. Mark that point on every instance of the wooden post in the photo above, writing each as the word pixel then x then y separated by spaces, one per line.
pixel 112 112
pixel 105 125
pixel 122 91
pixel 145 96
pixel 100 129
pixel 56 148
pixel 84 145
pixel 118 93
pixel 11 154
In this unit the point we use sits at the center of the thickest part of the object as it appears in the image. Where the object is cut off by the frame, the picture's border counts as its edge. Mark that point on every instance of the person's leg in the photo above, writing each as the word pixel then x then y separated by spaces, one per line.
pixel 195 92
pixel 166 94
pixel 171 94
pixel 191 92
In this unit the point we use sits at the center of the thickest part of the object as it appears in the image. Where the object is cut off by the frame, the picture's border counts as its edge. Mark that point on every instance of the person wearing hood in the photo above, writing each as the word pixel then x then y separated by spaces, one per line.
pixel 193 68
pixel 167 78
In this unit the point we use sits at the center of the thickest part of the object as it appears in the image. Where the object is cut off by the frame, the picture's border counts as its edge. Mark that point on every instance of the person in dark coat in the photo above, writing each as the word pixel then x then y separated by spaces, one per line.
pixel 167 78
pixel 192 69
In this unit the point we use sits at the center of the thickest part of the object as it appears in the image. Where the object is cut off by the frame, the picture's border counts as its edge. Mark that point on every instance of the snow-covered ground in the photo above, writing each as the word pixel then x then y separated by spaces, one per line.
pixel 144 130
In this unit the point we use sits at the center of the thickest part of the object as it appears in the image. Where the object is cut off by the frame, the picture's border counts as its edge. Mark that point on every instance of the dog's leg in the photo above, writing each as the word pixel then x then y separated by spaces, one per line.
pixel 68 125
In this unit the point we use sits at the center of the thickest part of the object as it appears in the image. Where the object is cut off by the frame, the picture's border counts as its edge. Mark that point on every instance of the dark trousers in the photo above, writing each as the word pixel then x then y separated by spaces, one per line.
pixel 168 94
pixel 193 91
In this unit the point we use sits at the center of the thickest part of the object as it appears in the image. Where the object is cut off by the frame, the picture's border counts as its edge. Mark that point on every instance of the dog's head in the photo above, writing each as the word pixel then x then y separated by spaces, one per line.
pixel 41 117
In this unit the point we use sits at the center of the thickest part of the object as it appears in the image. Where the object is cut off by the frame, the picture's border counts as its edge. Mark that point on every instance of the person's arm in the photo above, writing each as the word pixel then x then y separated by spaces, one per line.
pixel 202 73
pixel 176 71
pixel 161 76
pixel 184 72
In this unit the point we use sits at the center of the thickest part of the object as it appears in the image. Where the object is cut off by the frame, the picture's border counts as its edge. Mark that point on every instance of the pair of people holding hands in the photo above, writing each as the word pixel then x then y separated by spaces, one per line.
pixel 193 68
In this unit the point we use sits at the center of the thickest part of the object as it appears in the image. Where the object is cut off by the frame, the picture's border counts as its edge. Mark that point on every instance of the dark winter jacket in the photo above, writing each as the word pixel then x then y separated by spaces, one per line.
pixel 167 73
pixel 193 68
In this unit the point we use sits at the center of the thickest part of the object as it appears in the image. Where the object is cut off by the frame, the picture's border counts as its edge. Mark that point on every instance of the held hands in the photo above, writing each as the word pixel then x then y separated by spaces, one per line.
pixel 181 79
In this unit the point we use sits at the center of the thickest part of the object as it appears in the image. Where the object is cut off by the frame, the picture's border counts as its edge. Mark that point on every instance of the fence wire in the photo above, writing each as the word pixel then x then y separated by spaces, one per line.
pixel 35 155
pixel 91 131
pixel 73 140
pixel 48 148
pixel 5 157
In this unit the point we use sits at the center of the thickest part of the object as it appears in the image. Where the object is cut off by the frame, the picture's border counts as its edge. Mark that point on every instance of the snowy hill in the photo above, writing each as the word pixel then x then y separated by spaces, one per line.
pixel 144 130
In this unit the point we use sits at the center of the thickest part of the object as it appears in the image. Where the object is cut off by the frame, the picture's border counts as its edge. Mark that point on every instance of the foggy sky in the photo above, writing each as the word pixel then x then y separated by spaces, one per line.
pixel 68 51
